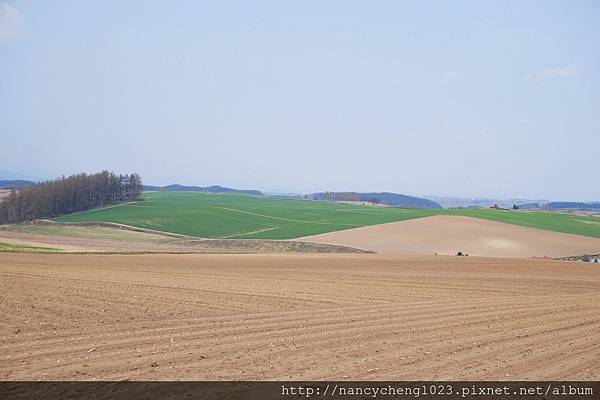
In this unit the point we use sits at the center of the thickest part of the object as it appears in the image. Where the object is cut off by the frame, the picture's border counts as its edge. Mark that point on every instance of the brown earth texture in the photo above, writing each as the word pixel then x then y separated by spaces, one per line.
pixel 444 234
pixel 222 317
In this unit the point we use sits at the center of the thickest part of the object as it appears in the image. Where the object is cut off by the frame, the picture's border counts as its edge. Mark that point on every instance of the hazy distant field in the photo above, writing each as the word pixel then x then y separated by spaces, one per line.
pixel 235 216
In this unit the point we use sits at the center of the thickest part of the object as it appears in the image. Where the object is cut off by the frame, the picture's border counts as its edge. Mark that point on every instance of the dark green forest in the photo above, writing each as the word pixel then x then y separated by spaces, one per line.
pixel 67 195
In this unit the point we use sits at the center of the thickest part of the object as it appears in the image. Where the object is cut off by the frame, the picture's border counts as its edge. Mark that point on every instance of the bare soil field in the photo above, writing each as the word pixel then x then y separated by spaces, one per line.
pixel 89 238
pixel 445 234
pixel 221 317
pixel 4 193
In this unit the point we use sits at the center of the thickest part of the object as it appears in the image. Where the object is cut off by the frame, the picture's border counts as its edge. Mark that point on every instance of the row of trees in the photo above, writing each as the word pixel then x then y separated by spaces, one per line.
pixel 67 195
pixel 342 196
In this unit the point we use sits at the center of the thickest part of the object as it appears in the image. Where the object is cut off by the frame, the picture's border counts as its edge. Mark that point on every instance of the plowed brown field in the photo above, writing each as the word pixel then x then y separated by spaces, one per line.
pixel 446 234
pixel 296 317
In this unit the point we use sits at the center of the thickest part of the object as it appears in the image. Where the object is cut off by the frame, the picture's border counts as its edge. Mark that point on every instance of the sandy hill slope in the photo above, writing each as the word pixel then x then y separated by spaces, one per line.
pixel 449 234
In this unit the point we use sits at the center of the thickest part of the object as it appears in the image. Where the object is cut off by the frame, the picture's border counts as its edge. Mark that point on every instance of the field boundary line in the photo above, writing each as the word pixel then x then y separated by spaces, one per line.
pixel 117 225
pixel 288 219
pixel 103 208
pixel 248 233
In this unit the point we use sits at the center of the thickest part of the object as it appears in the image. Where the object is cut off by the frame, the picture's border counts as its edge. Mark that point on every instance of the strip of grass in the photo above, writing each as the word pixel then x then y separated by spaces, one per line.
pixel 98 233
pixel 23 248
pixel 248 217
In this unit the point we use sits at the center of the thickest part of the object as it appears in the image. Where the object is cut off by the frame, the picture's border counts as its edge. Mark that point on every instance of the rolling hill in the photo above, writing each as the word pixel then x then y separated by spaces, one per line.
pixel 236 216
pixel 208 189
pixel 15 184
pixel 448 234
pixel 386 198
pixel 572 205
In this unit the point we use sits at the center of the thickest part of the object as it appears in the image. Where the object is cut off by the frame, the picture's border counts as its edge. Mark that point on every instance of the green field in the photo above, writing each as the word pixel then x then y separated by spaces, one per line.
pixel 248 217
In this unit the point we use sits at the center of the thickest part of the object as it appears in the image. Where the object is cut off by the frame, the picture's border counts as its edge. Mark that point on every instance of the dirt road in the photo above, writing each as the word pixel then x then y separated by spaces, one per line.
pixel 308 317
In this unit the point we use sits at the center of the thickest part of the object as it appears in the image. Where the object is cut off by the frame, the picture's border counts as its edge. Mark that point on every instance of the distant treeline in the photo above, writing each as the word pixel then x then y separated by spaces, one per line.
pixel 573 205
pixel 206 189
pixel 15 184
pixel 67 195
pixel 390 199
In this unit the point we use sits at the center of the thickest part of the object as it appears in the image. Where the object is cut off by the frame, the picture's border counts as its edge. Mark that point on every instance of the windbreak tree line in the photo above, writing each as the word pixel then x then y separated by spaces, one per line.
pixel 76 193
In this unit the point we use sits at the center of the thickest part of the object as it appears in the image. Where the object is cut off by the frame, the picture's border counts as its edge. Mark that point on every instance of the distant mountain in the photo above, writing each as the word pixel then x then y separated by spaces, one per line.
pixel 207 189
pixel 529 206
pixel 16 184
pixel 18 176
pixel 482 202
pixel 389 199
pixel 572 205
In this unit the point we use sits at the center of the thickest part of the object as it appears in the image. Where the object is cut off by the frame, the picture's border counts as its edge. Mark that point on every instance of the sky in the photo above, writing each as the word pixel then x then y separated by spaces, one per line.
pixel 494 98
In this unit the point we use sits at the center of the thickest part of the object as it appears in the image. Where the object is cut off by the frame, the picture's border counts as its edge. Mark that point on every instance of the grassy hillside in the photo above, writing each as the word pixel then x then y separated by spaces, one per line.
pixel 236 216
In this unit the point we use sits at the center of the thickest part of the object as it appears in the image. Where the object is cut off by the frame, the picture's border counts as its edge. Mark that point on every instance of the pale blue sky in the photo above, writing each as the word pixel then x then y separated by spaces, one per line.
pixel 473 98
